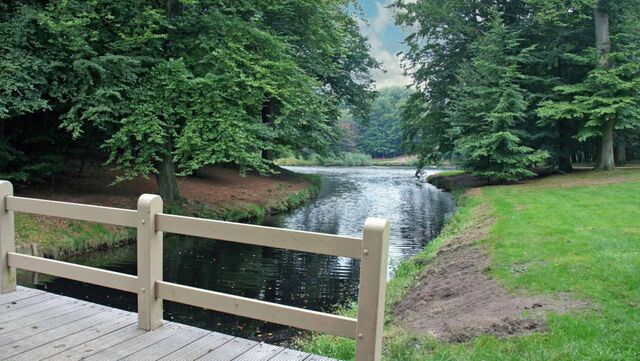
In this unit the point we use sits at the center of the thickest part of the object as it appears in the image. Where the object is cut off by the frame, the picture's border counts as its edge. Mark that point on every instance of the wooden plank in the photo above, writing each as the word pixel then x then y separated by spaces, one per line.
pixel 81 212
pixel 260 352
pixel 160 349
pixel 199 348
pixel 230 350
pixel 261 236
pixel 32 310
pixel 289 355
pixel 19 294
pixel 149 262
pixel 7 239
pixel 126 348
pixel 319 358
pixel 7 309
pixel 260 310
pixel 373 284
pixel 53 334
pixel 106 326
pixel 99 344
pixel 13 325
pixel 18 332
pixel 96 276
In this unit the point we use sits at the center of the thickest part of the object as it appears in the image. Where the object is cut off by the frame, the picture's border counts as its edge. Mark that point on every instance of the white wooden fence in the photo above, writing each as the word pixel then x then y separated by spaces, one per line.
pixel 151 289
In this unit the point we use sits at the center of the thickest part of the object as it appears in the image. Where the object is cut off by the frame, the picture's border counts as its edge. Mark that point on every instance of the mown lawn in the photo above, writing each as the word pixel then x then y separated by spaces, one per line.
pixel 577 234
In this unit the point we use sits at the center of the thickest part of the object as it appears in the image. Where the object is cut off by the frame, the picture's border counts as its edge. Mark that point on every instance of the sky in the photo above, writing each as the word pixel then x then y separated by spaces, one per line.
pixel 386 40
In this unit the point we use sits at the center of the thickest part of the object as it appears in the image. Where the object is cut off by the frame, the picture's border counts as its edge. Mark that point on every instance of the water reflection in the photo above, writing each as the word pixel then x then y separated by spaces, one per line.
pixel 348 195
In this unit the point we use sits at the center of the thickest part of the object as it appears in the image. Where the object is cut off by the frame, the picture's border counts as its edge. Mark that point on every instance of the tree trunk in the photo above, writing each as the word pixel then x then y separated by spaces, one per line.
pixel 565 149
pixel 268 117
pixel 621 153
pixel 603 43
pixel 167 180
pixel 564 163
pixel 604 159
pixel 605 150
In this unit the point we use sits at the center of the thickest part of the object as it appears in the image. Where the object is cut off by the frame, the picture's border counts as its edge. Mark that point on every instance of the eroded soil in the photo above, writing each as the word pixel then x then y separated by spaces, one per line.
pixel 214 185
pixel 456 300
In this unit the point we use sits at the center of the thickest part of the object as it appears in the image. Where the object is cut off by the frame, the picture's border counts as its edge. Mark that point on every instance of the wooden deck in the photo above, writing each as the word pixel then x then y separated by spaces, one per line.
pixel 36 325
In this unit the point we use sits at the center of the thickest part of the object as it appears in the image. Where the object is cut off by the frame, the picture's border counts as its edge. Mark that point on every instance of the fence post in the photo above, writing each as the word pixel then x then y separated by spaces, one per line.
pixel 149 257
pixel 373 286
pixel 7 240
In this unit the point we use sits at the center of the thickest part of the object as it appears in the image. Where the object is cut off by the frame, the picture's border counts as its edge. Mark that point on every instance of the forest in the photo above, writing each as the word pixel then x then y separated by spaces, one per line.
pixel 163 88
pixel 508 86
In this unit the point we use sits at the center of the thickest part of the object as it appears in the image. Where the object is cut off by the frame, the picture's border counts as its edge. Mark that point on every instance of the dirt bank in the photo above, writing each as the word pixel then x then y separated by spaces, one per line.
pixel 216 192
pixel 455 299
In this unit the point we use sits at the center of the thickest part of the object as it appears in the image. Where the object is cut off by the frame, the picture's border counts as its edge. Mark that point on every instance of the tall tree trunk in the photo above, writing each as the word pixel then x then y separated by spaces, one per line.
pixel 605 159
pixel 173 8
pixel 566 151
pixel 166 178
pixel 564 163
pixel 621 153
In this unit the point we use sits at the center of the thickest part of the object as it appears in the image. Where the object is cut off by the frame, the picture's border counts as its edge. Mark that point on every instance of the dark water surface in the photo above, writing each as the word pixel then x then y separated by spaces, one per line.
pixel 347 197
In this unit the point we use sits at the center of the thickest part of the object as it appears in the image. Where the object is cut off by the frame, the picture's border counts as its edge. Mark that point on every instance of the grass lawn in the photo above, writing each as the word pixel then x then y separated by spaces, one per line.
pixel 577 234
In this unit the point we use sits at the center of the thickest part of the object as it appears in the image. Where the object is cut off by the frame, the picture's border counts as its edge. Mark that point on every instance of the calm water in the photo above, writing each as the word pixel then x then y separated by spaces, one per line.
pixel 348 196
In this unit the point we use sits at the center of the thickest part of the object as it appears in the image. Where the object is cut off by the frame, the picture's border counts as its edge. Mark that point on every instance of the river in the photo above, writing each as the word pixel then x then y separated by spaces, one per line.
pixel 348 196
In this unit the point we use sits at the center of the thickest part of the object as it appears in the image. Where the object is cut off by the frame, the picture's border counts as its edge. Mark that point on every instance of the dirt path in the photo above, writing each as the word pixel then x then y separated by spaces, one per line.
pixel 456 300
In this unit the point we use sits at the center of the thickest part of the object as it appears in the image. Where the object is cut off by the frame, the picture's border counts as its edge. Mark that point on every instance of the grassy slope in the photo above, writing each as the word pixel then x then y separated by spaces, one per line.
pixel 578 234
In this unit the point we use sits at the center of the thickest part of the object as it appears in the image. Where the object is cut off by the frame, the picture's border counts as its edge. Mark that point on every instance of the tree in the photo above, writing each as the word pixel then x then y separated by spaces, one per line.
pixel 486 106
pixel 608 98
pixel 382 134
pixel 167 87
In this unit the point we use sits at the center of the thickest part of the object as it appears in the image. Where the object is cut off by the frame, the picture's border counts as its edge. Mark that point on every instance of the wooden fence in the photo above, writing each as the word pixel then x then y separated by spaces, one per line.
pixel 151 223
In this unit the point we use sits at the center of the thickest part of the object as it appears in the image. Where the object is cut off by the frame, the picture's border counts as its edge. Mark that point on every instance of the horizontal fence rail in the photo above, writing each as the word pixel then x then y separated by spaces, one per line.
pixel 371 249
pixel 80 212
pixel 96 276
pixel 259 310
pixel 261 236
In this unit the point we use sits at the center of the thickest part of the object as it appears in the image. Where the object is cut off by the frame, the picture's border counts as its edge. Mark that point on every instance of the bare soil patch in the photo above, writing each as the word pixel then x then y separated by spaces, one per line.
pixel 216 186
pixel 456 300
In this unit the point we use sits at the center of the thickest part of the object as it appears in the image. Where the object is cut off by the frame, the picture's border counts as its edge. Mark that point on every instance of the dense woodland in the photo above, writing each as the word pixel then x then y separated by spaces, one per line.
pixel 164 88
pixel 167 87
pixel 381 134
pixel 507 86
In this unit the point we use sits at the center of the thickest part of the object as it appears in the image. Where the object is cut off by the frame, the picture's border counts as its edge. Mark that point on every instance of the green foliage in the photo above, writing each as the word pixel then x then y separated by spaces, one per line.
pixel 609 92
pixel 177 84
pixel 560 32
pixel 381 136
pixel 345 159
pixel 486 106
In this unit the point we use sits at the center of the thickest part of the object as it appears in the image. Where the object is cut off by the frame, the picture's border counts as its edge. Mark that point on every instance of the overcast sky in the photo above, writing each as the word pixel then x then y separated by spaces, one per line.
pixel 386 41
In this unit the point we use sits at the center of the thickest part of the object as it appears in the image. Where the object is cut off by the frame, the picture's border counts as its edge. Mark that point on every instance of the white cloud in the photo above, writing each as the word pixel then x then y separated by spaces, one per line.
pixel 391 73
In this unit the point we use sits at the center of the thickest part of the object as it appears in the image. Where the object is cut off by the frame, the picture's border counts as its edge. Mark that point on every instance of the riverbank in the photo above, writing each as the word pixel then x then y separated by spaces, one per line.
pixel 546 269
pixel 216 193
pixel 349 160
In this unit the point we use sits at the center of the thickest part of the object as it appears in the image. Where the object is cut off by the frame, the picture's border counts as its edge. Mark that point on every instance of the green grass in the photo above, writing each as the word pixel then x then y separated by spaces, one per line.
pixel 343 160
pixel 447 173
pixel 60 237
pixel 577 234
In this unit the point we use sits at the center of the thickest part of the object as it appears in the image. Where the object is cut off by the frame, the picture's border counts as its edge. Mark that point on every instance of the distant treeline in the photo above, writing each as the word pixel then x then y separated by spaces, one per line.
pixel 167 87
pixel 381 135
pixel 505 86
